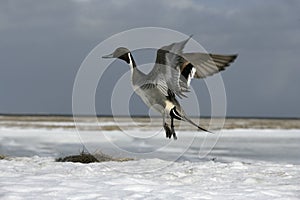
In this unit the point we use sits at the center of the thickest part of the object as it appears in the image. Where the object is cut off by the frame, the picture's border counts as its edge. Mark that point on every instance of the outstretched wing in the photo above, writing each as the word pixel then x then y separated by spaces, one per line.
pixel 167 69
pixel 207 64
pixel 173 69
pixel 201 65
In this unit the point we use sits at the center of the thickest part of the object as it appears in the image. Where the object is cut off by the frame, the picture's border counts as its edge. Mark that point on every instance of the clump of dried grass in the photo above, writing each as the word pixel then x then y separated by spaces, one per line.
pixel 85 157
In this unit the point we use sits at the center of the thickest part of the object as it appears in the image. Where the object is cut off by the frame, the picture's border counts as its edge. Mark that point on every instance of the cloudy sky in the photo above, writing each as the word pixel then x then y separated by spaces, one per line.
pixel 43 43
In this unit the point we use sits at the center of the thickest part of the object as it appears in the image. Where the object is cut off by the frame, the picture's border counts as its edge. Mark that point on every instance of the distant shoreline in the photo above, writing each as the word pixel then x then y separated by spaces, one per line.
pixel 142 116
pixel 125 122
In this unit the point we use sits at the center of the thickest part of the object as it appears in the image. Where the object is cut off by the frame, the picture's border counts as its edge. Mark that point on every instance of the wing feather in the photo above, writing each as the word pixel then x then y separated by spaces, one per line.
pixel 173 69
pixel 208 64
pixel 167 69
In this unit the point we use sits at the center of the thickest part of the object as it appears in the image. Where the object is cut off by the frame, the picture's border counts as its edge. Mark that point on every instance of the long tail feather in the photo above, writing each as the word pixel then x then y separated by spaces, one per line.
pixel 193 123
pixel 180 116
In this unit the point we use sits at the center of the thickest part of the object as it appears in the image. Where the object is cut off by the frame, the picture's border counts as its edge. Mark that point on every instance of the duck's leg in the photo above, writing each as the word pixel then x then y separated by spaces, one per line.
pixel 172 128
pixel 166 127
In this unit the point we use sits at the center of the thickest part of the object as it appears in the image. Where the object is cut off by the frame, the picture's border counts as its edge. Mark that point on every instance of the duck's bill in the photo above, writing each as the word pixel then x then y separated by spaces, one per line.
pixel 108 56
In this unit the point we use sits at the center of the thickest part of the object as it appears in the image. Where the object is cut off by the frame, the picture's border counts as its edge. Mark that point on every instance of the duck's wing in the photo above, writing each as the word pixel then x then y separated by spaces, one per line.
pixel 173 69
pixel 207 64
pixel 201 65
pixel 167 69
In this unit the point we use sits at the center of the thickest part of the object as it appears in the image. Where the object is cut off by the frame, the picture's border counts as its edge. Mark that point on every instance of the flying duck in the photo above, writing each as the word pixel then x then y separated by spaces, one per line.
pixel 171 77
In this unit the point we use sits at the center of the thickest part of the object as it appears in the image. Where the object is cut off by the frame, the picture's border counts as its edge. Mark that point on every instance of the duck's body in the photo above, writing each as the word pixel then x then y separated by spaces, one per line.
pixel 171 77
pixel 149 92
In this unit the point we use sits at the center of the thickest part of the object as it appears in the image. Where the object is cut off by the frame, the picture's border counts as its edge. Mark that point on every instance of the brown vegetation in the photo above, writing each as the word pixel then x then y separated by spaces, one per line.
pixel 84 157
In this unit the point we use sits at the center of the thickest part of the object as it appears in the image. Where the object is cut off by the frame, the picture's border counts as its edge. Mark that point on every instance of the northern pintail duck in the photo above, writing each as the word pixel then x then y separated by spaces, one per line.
pixel 171 77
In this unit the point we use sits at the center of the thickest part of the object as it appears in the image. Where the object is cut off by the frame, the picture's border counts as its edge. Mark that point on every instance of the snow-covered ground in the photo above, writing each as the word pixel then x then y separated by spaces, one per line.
pixel 41 178
pixel 243 164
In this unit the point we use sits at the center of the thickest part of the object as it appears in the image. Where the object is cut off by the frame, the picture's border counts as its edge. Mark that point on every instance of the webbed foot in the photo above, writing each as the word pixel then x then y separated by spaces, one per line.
pixel 170 131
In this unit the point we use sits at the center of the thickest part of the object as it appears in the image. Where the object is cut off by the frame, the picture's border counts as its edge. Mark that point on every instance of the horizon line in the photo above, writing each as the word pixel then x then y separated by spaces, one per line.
pixel 138 116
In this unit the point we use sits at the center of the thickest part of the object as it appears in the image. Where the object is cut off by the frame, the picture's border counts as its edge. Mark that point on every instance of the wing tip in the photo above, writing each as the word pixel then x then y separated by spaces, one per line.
pixel 234 56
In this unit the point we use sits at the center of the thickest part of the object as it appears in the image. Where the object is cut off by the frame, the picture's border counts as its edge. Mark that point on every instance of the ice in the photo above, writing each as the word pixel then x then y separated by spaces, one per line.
pixel 244 164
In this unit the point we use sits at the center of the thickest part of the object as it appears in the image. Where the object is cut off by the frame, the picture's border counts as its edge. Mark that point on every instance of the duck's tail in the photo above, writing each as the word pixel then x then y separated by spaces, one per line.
pixel 193 123
pixel 174 113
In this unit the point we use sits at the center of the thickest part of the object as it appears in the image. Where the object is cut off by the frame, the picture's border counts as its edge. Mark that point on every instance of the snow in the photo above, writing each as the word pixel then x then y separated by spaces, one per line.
pixel 244 164
pixel 29 178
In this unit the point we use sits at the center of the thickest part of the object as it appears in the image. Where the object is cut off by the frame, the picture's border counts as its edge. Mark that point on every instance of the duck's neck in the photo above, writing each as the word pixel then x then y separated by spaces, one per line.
pixel 131 61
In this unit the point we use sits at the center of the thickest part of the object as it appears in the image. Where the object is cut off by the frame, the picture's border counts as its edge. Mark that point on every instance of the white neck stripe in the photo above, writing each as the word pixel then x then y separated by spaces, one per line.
pixel 130 61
